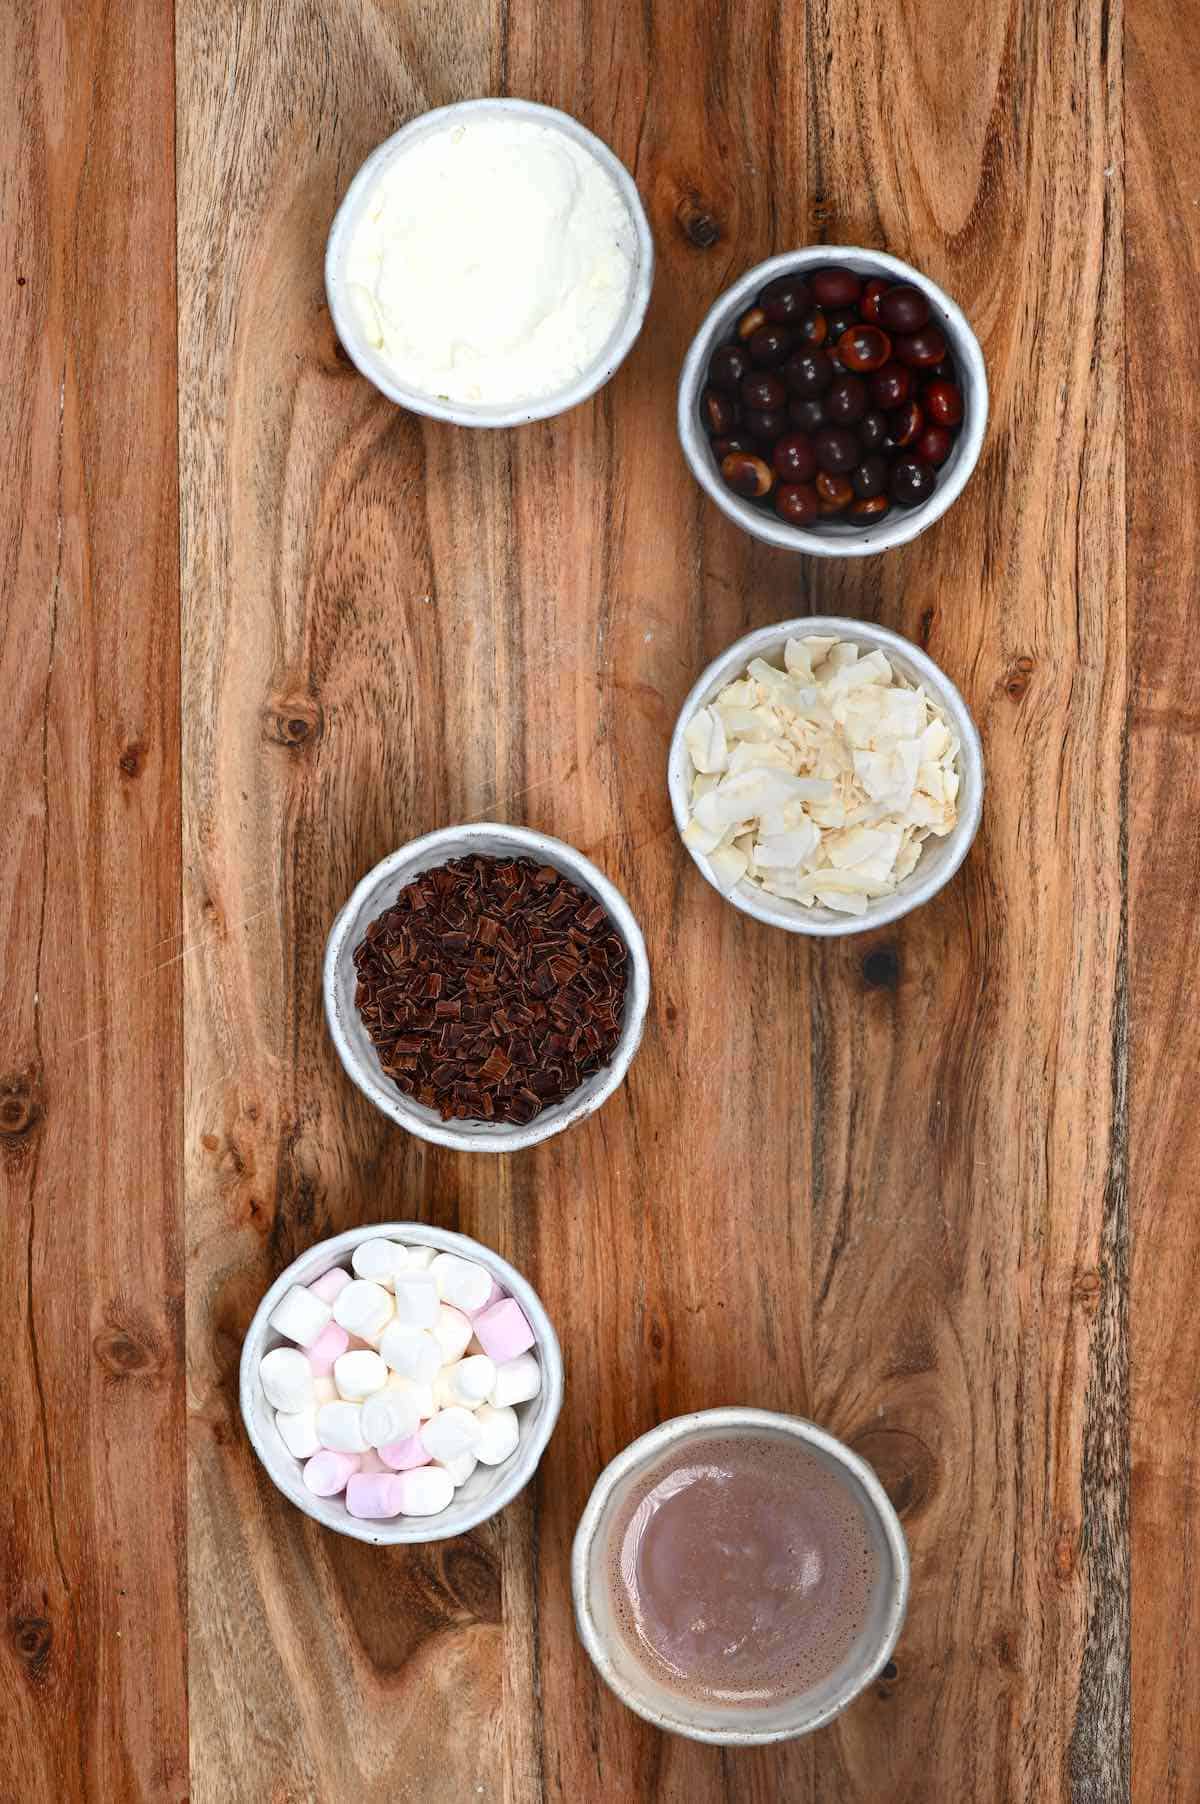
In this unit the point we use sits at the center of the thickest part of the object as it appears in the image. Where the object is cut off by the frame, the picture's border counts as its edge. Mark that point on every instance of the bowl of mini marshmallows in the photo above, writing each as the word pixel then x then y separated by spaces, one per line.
pixel 400 1383
pixel 826 776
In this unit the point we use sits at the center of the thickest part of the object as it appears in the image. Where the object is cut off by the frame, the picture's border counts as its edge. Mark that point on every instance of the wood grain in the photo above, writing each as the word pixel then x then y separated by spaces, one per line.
pixel 92 1669
pixel 1162 262
pixel 881 1182
pixel 978 1254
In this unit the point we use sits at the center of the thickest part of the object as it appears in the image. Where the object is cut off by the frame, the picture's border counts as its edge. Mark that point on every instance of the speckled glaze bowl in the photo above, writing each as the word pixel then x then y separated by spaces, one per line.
pixel 835 538
pixel 939 859
pixel 489 1488
pixel 731 1725
pixel 519 412
pixel 379 889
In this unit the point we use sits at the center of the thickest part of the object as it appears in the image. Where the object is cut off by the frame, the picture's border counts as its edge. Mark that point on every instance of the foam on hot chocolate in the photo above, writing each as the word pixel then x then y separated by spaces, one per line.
pixel 741 1570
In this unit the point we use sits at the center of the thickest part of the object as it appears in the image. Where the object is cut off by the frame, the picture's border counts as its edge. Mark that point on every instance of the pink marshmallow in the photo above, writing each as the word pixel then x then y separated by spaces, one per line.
pixel 402 1456
pixel 329 1345
pixel 326 1474
pixel 502 1330
pixel 329 1283
pixel 493 1296
pixel 373 1494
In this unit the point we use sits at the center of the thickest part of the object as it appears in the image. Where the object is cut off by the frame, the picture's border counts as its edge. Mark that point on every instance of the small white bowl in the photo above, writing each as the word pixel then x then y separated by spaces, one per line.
pixel 518 412
pixel 835 538
pixel 489 1488
pixel 378 891
pixel 939 859
pixel 730 1725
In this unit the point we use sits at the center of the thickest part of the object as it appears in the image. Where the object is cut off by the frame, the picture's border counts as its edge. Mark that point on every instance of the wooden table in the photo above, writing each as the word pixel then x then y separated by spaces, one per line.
pixel 933 1186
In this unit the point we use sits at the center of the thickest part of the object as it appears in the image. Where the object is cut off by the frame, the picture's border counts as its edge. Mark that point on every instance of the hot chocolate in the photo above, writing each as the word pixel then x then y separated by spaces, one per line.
pixel 741 1570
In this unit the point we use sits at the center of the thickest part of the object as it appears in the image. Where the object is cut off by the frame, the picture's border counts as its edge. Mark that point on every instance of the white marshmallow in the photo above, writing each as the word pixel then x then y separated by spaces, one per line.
pixel 300 1316
pixel 499 1432
pixel 379 1260
pixel 451 1432
pixel 420 1258
pixel 517 1380
pixel 359 1375
pixel 298 1432
pixel 467 1382
pixel 452 1332
pixel 416 1299
pixel 389 1416
pixel 424 1490
pixel 340 1427
pixel 287 1379
pixel 324 1391
pixel 363 1308
pixel 421 1394
pixel 460 1469
pixel 411 1351
pixel 461 1282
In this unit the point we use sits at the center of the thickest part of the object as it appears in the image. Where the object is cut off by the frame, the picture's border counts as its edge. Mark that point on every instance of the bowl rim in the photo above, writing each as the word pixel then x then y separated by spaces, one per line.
pixel 512 413
pixel 393 1532
pixel 437 848
pixel 768 639
pixel 901 527
pixel 650 1446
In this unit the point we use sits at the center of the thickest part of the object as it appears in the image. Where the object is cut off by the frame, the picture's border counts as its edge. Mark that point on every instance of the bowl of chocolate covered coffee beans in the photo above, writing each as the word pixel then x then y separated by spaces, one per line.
pixel 834 402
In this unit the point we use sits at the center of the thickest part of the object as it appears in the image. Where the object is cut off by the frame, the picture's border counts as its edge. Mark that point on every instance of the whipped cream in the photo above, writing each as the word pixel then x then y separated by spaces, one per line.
pixel 492 262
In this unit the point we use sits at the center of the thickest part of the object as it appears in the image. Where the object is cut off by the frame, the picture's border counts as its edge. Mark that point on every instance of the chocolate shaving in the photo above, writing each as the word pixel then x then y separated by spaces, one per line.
pixel 492 988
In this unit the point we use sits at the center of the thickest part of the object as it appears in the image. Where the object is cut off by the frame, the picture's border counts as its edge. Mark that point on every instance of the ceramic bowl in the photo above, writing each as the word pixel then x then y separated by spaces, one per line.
pixel 517 413
pixel 731 1725
pixel 835 538
pixel 939 859
pixel 489 1488
pixel 379 889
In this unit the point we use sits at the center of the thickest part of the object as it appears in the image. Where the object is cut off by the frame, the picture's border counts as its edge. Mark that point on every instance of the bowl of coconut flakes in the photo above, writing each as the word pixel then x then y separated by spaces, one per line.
pixel 826 776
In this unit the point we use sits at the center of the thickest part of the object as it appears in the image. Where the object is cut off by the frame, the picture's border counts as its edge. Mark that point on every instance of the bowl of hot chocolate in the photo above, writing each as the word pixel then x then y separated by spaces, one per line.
pixel 739 1576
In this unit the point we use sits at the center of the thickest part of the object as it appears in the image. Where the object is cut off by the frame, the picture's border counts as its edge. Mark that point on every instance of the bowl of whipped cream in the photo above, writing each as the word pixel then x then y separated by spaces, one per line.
pixel 490 264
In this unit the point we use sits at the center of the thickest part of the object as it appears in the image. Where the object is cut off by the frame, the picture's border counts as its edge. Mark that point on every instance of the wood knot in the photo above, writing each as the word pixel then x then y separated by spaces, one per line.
pixel 658 1339
pixel 906 1467
pixel 925 630
pixel 294 721
pixel 1016 683
pixel 696 222
pixel 132 761
pixel 885 1684
pixel 881 969
pixel 671 1013
pixel 32 1638
pixel 18 1107
pixel 127 1352
pixel 1087 1291
pixel 472 1580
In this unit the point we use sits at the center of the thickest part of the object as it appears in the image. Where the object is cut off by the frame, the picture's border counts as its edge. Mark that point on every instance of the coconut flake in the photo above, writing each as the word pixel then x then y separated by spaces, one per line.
pixel 820 781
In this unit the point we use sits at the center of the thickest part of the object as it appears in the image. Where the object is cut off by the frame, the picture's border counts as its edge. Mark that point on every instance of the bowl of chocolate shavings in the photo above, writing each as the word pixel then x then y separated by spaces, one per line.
pixel 486 986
